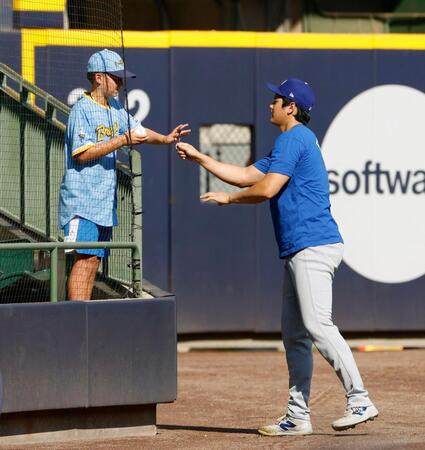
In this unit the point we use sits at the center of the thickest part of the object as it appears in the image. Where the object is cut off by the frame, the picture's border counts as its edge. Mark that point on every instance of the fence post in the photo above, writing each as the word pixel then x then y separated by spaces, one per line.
pixel 49 114
pixel 24 95
pixel 137 273
pixel 54 275
pixel 136 225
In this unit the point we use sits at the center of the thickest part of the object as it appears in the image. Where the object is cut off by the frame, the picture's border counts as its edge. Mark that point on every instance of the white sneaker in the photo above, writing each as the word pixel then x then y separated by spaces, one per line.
pixel 355 415
pixel 287 426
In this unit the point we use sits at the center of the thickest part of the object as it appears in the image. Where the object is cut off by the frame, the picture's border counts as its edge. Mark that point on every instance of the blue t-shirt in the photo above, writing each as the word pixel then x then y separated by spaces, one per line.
pixel 89 190
pixel 301 210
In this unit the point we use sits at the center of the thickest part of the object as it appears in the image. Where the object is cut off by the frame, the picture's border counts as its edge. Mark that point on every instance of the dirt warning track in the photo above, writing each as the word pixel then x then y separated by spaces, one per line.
pixel 224 396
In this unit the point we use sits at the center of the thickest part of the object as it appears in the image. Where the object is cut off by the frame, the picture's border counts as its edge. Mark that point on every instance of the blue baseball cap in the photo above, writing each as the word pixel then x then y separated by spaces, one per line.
pixel 109 62
pixel 297 90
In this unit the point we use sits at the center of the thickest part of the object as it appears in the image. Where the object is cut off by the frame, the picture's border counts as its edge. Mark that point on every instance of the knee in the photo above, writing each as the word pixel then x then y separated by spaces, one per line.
pixel 293 337
pixel 318 327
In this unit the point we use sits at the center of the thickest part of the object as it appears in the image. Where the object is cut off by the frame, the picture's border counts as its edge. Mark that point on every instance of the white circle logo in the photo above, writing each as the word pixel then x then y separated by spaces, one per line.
pixel 375 155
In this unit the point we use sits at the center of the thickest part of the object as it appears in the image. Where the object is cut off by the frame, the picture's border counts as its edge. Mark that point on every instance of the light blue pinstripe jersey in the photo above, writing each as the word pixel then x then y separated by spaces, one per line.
pixel 89 190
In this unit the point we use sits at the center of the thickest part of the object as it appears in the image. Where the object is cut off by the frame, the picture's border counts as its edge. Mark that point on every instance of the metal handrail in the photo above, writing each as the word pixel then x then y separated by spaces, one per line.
pixel 54 246
pixel 51 104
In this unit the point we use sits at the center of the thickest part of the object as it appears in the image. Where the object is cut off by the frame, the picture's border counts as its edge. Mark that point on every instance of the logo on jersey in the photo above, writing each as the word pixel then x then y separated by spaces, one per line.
pixel 103 131
pixel 374 156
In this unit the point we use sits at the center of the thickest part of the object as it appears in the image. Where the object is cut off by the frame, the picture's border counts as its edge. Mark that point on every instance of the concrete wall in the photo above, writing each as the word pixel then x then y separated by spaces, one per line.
pixel 78 370
pixel 87 354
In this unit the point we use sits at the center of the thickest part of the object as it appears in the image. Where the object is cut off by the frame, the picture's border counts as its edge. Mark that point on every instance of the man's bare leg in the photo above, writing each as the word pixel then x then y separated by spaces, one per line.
pixel 81 278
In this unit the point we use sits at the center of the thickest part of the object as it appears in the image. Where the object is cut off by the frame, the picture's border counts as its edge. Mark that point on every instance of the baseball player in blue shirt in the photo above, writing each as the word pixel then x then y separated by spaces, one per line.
pixel 98 125
pixel 294 178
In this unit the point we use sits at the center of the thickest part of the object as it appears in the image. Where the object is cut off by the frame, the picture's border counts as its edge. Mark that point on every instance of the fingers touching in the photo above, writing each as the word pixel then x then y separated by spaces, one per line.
pixel 179 132
pixel 187 151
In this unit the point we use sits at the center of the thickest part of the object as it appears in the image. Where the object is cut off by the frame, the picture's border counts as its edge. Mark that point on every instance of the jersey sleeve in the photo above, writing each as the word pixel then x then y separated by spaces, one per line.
pixel 79 134
pixel 285 155
pixel 263 164
pixel 133 122
pixel 125 118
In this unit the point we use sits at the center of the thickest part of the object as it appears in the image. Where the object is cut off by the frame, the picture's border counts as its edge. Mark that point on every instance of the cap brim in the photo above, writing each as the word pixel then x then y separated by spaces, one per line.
pixel 274 88
pixel 123 74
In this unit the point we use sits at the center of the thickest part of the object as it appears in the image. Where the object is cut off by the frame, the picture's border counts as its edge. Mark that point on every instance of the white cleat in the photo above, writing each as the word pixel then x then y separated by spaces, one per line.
pixel 286 426
pixel 355 415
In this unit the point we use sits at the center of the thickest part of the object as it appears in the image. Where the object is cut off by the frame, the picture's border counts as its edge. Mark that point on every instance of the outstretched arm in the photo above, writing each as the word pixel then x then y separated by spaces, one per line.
pixel 152 137
pixel 229 173
pixel 265 189
pixel 96 151
pixel 171 138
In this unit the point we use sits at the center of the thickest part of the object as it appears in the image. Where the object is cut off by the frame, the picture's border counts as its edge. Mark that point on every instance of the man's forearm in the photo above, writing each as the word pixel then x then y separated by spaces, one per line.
pixel 228 173
pixel 255 194
pixel 264 190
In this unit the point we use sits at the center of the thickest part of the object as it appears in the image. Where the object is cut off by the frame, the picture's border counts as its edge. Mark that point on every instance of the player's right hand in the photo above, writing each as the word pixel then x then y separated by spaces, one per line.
pixel 187 151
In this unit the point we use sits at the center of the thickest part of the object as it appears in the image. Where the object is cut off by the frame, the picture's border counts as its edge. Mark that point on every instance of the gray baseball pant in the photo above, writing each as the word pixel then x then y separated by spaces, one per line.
pixel 307 319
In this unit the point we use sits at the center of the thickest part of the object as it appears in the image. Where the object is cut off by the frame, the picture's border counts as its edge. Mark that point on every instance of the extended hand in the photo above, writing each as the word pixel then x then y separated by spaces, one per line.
pixel 221 198
pixel 187 151
pixel 178 132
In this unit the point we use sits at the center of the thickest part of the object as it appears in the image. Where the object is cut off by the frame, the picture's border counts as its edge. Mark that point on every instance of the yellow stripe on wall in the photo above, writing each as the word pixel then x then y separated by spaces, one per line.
pixel 237 39
pixel 243 39
pixel 39 5
pixel 32 38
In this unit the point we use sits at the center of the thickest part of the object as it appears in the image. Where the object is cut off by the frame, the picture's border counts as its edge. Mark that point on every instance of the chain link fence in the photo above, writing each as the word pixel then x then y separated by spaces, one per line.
pixel 228 143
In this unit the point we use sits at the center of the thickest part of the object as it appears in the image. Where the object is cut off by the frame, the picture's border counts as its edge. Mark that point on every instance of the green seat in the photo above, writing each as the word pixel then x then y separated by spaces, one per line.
pixel 41 275
pixel 14 264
